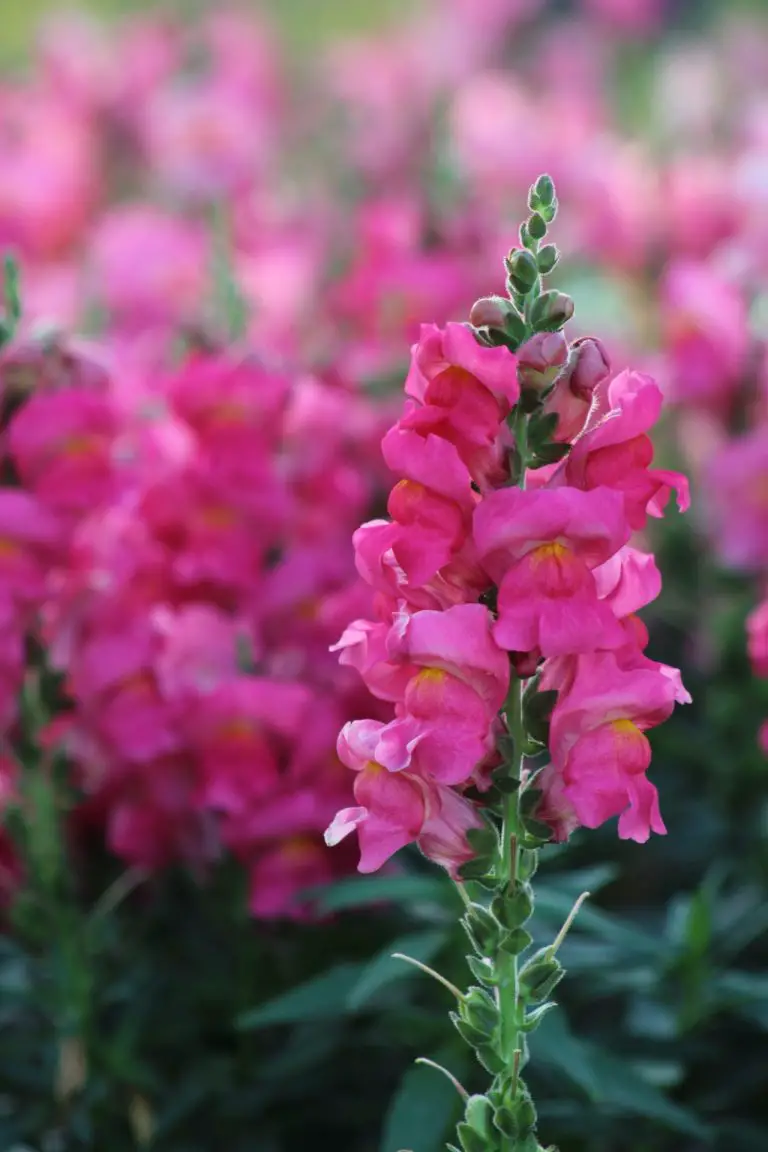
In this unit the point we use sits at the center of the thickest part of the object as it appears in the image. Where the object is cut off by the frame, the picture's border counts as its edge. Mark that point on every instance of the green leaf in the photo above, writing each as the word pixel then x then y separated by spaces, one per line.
pixel 411 890
pixel 321 998
pixel 606 1079
pixel 425 1108
pixel 383 970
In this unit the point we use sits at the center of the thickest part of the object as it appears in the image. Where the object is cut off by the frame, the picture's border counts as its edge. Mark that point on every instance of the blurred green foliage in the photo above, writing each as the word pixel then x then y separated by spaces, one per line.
pixel 303 22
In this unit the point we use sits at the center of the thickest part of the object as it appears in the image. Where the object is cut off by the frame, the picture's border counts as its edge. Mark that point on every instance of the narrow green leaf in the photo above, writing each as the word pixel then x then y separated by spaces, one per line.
pixel 607 1080
pixel 425 1108
pixel 383 970
pixel 359 891
pixel 321 998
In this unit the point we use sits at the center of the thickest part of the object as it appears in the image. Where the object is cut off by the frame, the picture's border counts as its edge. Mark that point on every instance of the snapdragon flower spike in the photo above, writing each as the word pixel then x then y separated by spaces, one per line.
pixel 506 592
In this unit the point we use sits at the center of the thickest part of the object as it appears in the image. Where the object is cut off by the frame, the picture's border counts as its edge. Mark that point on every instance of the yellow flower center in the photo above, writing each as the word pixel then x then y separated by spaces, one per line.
pixel 626 728
pixel 553 550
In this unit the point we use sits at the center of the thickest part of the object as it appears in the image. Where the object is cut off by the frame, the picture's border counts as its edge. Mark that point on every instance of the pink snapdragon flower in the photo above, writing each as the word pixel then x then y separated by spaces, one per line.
pixel 631 17
pixel 167 285
pixel 206 141
pixel 30 536
pixel 457 681
pixel 736 488
pixel 706 333
pixel 599 748
pixel 615 451
pixel 431 506
pixel 398 808
pixel 757 636
pixel 463 391
pixel 539 547
pixel 62 445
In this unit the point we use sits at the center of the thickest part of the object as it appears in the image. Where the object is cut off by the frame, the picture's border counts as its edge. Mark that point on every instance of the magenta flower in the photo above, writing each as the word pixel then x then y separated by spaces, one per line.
pixel 540 548
pixel 598 744
pixel 615 451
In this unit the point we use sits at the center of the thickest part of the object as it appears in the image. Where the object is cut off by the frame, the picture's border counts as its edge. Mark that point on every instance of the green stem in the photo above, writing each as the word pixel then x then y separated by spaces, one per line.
pixel 508 869
pixel 507 965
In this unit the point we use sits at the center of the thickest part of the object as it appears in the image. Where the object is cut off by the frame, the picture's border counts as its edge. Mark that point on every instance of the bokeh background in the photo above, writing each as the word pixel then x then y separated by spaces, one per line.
pixel 307 182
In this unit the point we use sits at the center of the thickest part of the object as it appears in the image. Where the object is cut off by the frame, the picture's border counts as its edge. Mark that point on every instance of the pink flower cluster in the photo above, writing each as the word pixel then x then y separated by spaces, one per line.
pixel 179 550
pixel 476 579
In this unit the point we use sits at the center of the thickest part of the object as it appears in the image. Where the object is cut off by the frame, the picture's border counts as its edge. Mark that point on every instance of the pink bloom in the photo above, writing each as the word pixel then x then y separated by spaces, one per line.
pixel 629 580
pixel 396 809
pixel 211 539
pixel 133 722
pixel 363 646
pixel 234 730
pixel 598 746
pixel 616 452
pixel 234 404
pixel 431 506
pixel 459 580
pixel 540 547
pixel 461 391
pixel 167 285
pixel 454 681
pixel 62 446
pixel 632 17
pixel 706 332
pixel 199 646
pixel 447 738
pixel 445 362
pixel 757 633
pixel 206 140
pixel 442 731
pixel 282 874
pixel 460 643
pixel 52 173
pixel 736 490
pixel 30 538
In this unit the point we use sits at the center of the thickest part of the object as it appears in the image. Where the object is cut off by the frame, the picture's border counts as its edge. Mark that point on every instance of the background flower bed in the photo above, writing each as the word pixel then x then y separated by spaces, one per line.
pixel 172 1017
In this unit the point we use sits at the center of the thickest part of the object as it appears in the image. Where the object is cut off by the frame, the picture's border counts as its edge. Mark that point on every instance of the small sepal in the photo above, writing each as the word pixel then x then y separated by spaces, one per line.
pixel 542 973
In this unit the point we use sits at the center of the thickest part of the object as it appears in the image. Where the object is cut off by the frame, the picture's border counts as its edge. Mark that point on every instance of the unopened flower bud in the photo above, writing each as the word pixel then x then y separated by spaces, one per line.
pixel 551 311
pixel 490 312
pixel 540 975
pixel 479 1115
pixel 540 359
pixel 522 269
pixel 542 192
pixel 571 398
pixel 537 226
pixel 591 365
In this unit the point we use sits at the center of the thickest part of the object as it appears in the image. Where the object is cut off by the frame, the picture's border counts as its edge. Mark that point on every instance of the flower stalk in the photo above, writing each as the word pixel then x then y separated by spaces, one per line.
pixel 507 593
